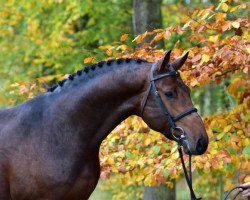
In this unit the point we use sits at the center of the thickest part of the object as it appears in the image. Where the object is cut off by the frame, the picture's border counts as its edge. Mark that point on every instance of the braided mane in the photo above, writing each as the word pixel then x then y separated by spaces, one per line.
pixel 94 67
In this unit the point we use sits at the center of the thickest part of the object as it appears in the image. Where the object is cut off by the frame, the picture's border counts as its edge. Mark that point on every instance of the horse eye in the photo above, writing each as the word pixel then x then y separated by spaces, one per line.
pixel 169 94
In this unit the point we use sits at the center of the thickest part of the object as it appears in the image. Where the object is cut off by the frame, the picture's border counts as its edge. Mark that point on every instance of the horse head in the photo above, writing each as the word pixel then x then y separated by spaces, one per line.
pixel 167 106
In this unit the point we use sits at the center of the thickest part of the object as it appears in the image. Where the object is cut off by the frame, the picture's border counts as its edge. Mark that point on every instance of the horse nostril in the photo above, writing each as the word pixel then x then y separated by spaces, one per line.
pixel 201 146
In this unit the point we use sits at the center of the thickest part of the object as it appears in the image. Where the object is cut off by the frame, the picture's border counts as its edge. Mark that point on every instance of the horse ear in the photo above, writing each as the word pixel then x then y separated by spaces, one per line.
pixel 177 64
pixel 163 62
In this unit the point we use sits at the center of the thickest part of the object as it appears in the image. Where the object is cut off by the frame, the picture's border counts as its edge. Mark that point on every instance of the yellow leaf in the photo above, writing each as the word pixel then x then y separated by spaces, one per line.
pixel 226 26
pixel 175 155
pixel 220 16
pixel 234 8
pixel 88 60
pixel 218 73
pixel 141 162
pixel 248 49
pixel 194 82
pixel 50 77
pixel 205 58
pixel 195 13
pixel 213 152
pixel 109 52
pixel 139 178
pixel 38 60
pixel 124 37
pixel 147 181
pixel 224 7
pixel 228 185
pixel 227 128
pixel 140 37
pixel 14 85
pixel 235 24
pixel 184 19
pixel 174 149
pixel 147 141
pixel 247 179
pixel 105 47
pixel 150 161
pixel 220 135
pixel 110 160
pixel 158 30
pixel 117 55
pixel 213 38
pixel 158 36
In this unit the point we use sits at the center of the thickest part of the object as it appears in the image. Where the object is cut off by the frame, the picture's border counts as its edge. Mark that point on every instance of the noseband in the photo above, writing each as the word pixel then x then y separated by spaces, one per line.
pixel 180 138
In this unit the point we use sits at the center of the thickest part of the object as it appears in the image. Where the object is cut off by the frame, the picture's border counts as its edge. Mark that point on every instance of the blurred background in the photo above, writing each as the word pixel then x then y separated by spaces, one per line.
pixel 43 41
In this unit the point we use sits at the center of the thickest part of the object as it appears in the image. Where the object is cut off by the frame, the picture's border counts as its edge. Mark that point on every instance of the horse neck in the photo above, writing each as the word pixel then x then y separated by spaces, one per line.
pixel 93 109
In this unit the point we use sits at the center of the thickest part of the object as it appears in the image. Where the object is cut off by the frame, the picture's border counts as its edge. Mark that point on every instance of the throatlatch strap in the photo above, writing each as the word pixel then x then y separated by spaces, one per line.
pixel 145 99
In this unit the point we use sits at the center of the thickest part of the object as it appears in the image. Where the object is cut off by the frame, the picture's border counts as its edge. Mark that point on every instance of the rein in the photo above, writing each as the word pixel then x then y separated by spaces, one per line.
pixel 181 138
pixel 182 142
pixel 235 195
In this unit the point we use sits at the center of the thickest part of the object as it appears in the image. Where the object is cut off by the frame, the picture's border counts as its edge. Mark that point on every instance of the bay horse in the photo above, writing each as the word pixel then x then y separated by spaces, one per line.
pixel 49 145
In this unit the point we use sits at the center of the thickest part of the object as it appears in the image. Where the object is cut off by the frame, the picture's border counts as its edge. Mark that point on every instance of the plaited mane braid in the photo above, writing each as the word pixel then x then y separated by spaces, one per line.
pixel 93 67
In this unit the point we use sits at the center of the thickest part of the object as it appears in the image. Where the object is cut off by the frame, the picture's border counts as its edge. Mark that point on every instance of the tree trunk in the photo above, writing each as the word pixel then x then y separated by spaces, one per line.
pixel 161 192
pixel 146 17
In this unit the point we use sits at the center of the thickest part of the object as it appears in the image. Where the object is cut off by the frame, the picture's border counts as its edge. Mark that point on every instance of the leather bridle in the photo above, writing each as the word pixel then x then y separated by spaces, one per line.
pixel 181 137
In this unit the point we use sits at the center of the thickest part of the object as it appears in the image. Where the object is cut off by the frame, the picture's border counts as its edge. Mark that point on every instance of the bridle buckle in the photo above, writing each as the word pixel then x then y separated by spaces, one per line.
pixel 177 133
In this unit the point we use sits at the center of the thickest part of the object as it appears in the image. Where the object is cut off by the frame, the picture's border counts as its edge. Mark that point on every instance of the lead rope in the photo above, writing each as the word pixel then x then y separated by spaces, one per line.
pixel 187 177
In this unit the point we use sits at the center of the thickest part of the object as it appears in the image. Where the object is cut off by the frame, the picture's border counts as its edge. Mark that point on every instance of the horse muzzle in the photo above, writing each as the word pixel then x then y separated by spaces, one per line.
pixel 198 148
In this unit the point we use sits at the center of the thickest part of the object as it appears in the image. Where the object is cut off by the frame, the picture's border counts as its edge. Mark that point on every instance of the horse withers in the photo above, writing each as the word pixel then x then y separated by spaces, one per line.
pixel 49 145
